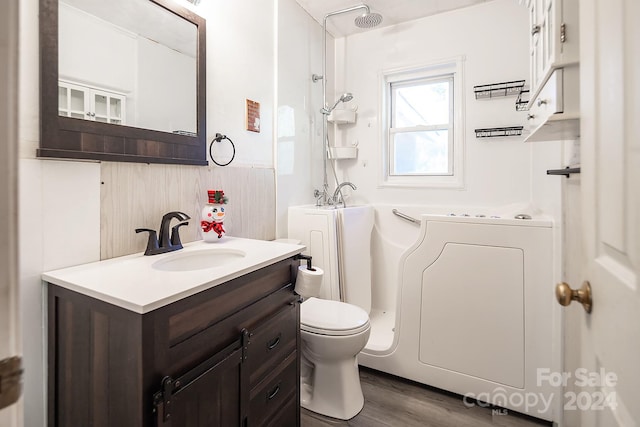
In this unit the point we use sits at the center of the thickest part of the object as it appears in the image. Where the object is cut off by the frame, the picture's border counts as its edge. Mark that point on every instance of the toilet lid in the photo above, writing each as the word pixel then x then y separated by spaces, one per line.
pixel 332 317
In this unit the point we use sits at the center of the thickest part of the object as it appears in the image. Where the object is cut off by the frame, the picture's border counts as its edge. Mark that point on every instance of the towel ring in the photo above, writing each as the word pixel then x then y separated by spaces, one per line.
pixel 219 137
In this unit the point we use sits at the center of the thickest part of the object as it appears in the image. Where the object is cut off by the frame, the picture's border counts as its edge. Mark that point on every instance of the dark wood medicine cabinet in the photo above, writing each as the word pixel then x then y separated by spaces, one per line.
pixel 67 135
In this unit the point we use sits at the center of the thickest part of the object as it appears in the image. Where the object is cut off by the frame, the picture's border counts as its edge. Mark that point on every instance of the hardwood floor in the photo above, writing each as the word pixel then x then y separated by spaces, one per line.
pixel 395 402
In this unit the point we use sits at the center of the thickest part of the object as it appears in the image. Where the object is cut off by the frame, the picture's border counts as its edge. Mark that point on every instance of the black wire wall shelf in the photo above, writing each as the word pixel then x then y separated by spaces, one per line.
pixel 522 101
pixel 498 132
pixel 496 90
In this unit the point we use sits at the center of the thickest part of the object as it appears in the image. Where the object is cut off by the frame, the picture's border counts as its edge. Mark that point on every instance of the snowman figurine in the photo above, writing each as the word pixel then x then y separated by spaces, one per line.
pixel 212 217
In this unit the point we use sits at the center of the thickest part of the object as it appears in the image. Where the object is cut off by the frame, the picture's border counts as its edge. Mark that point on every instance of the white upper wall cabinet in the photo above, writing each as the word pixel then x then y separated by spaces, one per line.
pixel 90 103
pixel 554 74
pixel 554 38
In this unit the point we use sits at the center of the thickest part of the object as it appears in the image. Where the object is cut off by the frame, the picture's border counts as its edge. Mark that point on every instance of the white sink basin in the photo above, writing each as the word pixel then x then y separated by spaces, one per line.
pixel 199 260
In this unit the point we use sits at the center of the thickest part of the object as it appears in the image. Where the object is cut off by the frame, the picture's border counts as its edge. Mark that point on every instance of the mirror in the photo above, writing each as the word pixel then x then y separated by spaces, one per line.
pixel 142 75
pixel 123 81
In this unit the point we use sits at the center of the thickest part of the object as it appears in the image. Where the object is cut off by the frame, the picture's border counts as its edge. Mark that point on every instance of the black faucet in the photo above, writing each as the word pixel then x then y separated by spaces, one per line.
pixel 166 243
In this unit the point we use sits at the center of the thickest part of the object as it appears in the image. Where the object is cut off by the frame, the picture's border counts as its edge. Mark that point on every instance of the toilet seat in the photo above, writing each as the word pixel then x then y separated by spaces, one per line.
pixel 332 318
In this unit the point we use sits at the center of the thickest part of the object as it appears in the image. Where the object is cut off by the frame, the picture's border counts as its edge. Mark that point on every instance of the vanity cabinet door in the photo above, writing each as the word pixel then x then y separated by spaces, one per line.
pixel 209 395
pixel 256 377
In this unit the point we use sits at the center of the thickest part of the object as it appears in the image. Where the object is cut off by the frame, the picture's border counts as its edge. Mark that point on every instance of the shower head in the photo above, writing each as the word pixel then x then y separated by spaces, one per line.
pixel 368 20
pixel 345 97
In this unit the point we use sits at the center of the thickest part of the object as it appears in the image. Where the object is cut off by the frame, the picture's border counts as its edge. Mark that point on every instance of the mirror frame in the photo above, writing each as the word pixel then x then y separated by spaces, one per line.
pixel 71 138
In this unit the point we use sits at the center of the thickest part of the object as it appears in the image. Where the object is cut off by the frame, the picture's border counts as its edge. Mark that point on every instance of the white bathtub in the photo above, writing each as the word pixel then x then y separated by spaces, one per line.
pixel 463 301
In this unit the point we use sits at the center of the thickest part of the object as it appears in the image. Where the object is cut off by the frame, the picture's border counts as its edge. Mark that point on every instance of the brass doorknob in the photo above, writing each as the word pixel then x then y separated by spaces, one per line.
pixel 564 295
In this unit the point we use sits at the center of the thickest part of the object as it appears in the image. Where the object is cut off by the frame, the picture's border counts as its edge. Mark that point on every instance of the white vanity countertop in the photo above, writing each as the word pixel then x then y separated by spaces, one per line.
pixel 131 282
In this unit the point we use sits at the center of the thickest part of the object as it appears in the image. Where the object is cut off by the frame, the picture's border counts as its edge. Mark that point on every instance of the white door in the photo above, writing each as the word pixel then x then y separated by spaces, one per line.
pixel 610 148
pixel 10 416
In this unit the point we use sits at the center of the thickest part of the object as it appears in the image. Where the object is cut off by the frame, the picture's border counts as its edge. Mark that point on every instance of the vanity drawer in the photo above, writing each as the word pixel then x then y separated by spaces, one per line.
pixel 199 347
pixel 271 342
pixel 274 392
pixel 192 315
pixel 287 416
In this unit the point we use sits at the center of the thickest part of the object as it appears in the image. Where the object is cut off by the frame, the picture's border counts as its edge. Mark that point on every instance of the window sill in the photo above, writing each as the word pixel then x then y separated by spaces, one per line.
pixel 449 182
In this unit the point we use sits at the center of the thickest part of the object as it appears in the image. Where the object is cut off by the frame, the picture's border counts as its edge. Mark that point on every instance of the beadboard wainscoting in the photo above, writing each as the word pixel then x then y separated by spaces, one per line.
pixel 135 195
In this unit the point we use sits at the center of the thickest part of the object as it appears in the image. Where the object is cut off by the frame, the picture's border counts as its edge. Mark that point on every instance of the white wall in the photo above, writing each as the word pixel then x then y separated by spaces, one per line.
pixel 173 107
pixel 299 132
pixel 492 37
pixel 107 51
pixel 240 66
pixel 35 226
pixel 103 55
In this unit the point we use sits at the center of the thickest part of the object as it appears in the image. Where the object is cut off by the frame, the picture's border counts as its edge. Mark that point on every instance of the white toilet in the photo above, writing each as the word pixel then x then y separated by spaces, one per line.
pixel 333 333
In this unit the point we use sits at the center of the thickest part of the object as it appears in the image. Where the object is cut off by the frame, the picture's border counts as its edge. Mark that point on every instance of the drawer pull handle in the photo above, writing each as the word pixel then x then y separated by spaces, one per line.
pixel 273 392
pixel 541 102
pixel 531 116
pixel 274 342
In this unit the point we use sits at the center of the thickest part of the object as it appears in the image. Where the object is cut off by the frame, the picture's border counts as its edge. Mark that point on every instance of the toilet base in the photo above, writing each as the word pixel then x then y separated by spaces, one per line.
pixel 331 389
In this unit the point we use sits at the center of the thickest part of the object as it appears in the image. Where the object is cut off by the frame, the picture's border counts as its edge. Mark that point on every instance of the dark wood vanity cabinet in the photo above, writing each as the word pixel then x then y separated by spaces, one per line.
pixel 227 356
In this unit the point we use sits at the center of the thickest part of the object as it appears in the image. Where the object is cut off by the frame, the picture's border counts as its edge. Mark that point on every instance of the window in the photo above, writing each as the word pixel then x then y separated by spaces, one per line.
pixel 422 137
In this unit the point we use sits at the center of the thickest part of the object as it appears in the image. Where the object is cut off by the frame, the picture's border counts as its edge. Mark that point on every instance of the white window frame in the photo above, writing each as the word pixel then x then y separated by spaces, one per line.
pixel 451 68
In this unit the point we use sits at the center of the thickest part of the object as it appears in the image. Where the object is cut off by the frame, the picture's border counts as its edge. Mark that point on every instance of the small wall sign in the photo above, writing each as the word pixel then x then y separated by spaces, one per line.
pixel 253 116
